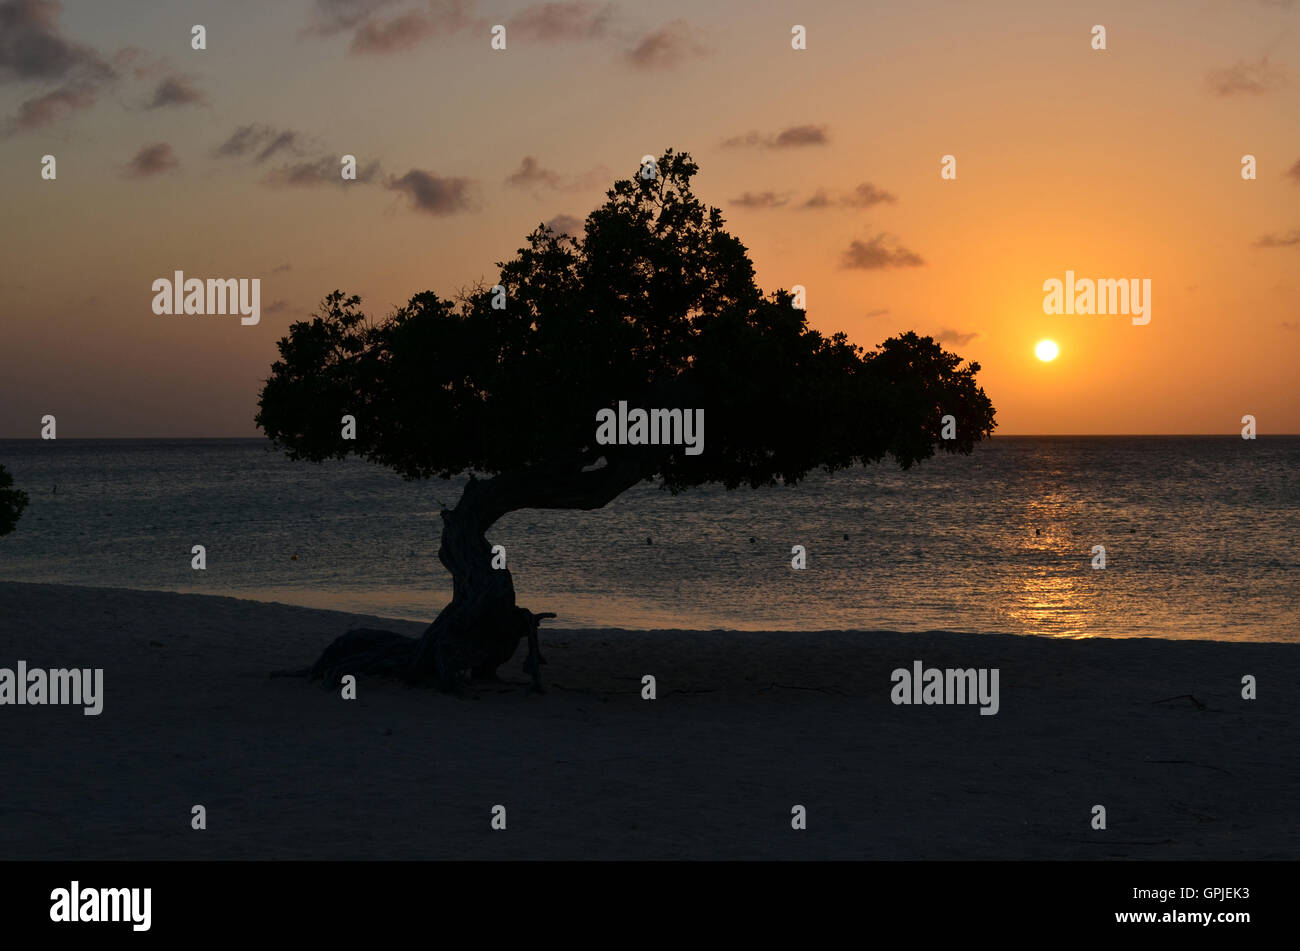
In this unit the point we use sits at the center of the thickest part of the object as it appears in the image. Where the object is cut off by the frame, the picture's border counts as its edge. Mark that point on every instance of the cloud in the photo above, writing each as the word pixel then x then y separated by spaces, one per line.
pixel 280 142
pixel 800 135
pixel 262 139
pixel 1293 172
pixel 556 22
pixel 955 337
pixel 1288 240
pixel 141 63
pixel 372 32
pixel 434 194
pixel 326 170
pixel 880 252
pixel 760 200
pixel 43 110
pixel 531 174
pixel 241 141
pixel 177 91
pixel 878 312
pixel 278 269
pixel 566 225
pixel 667 46
pixel 276 307
pixel 1249 78
pixel 866 195
pixel 263 142
pixel 793 137
pixel 31 46
pixel 1288 325
pixel 33 49
pixel 152 160
pixel 391 36
pixel 338 16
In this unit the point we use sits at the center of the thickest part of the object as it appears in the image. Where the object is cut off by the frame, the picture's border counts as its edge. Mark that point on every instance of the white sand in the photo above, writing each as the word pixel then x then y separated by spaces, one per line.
pixel 746 725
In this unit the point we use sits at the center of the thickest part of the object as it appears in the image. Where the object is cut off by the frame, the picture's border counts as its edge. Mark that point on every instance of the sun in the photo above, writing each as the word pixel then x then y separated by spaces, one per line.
pixel 1047 350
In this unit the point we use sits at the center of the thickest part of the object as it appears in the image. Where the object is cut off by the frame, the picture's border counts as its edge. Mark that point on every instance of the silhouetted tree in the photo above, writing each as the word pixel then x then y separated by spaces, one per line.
pixel 654 304
pixel 12 502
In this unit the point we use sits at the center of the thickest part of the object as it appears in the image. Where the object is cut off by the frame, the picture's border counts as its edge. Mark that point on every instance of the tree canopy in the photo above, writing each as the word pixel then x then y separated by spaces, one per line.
pixel 656 304
pixel 12 502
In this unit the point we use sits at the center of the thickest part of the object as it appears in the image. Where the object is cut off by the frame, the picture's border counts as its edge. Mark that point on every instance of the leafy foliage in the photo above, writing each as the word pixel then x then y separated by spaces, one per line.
pixel 12 502
pixel 655 304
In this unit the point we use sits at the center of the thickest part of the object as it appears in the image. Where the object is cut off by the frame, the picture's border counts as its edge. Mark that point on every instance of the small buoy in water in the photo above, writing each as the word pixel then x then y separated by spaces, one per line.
pixel 294 558
pixel 649 540
pixel 753 540
pixel 846 536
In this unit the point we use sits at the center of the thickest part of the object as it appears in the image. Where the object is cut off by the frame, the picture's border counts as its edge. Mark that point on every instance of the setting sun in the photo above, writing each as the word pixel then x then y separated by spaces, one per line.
pixel 1047 350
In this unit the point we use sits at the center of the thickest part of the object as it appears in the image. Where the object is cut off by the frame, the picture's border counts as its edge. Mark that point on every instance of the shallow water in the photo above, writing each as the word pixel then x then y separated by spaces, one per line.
pixel 1199 534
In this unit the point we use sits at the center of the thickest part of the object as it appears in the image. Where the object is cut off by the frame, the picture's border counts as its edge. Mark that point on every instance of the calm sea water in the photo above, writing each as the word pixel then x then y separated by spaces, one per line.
pixel 1200 536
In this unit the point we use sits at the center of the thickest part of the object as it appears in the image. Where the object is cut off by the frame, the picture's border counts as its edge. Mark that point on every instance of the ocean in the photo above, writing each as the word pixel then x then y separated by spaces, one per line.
pixel 1200 538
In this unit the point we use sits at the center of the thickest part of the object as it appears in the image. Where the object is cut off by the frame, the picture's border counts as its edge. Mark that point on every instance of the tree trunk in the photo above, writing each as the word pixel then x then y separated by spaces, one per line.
pixel 480 629
pixel 482 626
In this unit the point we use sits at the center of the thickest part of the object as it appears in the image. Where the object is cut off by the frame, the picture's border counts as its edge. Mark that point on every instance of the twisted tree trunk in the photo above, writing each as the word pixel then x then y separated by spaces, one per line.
pixel 480 629
pixel 482 626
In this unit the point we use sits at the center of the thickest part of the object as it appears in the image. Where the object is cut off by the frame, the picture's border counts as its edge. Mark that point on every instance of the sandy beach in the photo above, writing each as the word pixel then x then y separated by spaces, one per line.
pixel 745 726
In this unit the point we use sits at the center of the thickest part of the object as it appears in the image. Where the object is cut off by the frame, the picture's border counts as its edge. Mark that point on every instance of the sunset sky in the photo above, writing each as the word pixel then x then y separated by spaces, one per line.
pixel 1123 163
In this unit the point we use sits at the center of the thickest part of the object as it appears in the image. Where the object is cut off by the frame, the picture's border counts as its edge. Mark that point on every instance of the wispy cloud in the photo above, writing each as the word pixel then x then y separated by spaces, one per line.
pixel 760 200
pixel 880 252
pixel 298 166
pixel 338 16
pixel 566 225
pixel 670 45
pixel 1246 79
pixel 1293 172
pixel 793 137
pixel 152 160
pixel 260 141
pixel 34 49
pixel 32 45
pixel 393 35
pixel 955 337
pixel 556 22
pixel 43 110
pixel 532 175
pixel 866 195
pixel 326 170
pixel 374 31
pixel 1288 240
pixel 177 91
pixel 434 194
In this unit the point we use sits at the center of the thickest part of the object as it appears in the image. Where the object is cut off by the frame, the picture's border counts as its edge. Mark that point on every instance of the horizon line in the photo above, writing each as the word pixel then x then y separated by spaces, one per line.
pixel 1228 435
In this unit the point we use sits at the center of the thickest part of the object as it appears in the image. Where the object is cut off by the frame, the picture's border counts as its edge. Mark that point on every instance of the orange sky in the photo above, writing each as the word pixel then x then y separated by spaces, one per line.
pixel 1123 163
